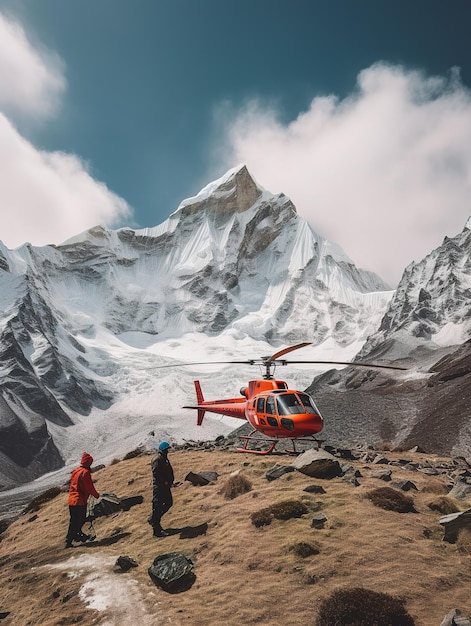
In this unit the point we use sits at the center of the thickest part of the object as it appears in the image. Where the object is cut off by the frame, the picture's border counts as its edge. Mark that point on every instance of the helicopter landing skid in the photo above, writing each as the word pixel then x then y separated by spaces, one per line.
pixel 272 444
pixel 319 443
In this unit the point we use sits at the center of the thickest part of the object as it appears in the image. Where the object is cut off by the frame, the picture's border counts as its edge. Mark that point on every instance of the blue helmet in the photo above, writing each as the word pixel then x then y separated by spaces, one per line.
pixel 164 445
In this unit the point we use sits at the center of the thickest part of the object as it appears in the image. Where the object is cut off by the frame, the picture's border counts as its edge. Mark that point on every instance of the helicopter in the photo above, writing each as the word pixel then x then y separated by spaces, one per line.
pixel 270 406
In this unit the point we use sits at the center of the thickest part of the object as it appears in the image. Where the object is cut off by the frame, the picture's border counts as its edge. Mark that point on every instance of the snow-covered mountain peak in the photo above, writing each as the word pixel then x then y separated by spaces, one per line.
pixel 432 303
pixel 85 325
pixel 235 192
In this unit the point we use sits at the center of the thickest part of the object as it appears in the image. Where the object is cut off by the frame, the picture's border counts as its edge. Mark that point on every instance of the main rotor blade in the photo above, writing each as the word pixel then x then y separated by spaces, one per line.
pixel 283 362
pixel 277 355
pixel 352 363
pixel 249 362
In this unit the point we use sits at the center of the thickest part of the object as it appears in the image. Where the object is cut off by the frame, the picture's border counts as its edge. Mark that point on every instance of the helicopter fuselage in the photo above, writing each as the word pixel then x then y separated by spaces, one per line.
pixel 270 407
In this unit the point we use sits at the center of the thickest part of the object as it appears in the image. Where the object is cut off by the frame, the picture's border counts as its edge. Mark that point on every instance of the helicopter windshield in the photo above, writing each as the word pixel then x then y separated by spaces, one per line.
pixel 288 404
pixel 309 403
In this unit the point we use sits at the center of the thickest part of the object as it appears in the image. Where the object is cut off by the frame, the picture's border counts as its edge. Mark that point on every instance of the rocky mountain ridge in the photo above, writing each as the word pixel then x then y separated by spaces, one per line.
pixel 427 326
pixel 76 319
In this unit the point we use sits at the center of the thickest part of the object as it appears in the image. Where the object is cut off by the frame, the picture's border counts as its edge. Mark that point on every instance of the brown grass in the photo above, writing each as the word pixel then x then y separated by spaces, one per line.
pixel 444 505
pixel 244 574
pixel 362 607
pixel 235 486
pixel 391 500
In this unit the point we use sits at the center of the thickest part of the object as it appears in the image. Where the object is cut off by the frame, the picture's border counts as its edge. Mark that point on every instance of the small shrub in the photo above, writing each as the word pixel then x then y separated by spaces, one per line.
pixel 35 503
pixel 362 607
pixel 391 500
pixel 235 486
pixel 436 486
pixel 261 518
pixel 288 509
pixel 463 542
pixel 304 549
pixel 443 505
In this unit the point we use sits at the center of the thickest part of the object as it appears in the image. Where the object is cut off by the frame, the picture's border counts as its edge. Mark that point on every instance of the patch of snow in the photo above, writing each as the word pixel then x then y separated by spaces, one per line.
pixel 105 590
pixel 451 334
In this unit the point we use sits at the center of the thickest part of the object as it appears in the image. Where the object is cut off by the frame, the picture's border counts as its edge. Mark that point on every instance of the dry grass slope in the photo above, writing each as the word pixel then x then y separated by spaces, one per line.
pixel 267 574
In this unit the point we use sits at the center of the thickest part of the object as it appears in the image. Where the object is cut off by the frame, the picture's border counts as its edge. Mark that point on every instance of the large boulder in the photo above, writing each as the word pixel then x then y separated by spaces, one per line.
pixel 317 464
pixel 173 572
pixel 109 503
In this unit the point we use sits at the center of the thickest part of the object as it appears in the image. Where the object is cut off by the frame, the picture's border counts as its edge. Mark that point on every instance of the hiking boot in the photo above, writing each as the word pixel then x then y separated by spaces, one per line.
pixel 68 543
pixel 83 537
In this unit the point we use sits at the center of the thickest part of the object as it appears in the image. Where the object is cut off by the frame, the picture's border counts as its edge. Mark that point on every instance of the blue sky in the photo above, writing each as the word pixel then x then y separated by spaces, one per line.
pixel 113 111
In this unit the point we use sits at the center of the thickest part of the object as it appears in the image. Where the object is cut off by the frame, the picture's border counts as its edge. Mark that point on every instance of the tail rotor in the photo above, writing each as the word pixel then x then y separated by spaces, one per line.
pixel 199 400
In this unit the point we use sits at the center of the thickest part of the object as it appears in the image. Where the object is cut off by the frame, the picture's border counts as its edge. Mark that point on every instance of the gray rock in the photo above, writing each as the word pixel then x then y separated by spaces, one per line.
pixel 382 475
pixel 317 464
pixel 125 563
pixel 314 489
pixel 110 503
pixel 278 470
pixel 201 478
pixel 318 521
pixel 173 572
pixel 461 490
pixel 380 460
pixel 404 485
pixel 456 618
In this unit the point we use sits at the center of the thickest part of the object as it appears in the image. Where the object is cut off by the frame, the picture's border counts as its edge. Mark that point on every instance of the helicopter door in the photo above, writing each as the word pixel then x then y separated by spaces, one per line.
pixel 260 409
pixel 270 410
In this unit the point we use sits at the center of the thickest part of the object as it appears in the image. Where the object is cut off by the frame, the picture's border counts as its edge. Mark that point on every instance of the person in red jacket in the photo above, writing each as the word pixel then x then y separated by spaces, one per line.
pixel 81 486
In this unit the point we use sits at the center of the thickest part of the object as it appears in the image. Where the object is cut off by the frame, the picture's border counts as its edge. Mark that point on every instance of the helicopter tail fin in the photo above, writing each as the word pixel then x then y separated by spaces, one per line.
pixel 199 400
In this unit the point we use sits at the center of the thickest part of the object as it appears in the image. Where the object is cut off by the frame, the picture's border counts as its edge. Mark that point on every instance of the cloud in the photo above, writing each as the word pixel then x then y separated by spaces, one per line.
pixel 48 196
pixel 45 197
pixel 385 172
pixel 32 81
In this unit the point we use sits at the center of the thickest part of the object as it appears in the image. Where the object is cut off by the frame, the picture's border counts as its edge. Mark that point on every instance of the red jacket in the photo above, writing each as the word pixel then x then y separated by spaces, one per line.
pixel 81 486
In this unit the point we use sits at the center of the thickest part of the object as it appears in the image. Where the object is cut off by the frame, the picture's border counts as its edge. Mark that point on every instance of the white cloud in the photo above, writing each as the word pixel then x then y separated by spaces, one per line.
pixel 386 172
pixel 31 80
pixel 45 197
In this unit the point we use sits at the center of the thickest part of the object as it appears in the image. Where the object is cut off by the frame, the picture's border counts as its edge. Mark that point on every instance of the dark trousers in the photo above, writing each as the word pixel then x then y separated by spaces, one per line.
pixel 78 514
pixel 162 500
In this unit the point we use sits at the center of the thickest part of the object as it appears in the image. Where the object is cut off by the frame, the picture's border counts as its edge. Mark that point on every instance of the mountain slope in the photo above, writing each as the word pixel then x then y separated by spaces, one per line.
pixel 85 324
pixel 427 327
pixel 273 574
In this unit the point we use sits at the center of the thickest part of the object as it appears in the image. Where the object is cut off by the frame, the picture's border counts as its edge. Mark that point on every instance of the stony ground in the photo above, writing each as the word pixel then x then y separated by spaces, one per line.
pixel 244 574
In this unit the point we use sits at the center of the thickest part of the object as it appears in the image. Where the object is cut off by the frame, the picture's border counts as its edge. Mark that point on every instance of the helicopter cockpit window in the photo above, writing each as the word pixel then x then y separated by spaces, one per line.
pixel 308 403
pixel 261 405
pixel 270 405
pixel 288 404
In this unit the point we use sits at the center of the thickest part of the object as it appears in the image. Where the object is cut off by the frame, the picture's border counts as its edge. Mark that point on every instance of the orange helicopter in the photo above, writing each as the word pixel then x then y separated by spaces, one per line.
pixel 270 406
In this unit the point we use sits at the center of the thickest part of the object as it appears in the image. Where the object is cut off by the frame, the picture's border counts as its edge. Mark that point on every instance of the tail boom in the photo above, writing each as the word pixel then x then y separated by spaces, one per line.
pixel 234 407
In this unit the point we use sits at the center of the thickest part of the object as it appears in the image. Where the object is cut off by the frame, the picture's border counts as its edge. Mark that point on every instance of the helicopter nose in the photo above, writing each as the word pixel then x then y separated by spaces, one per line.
pixel 313 423
pixel 303 424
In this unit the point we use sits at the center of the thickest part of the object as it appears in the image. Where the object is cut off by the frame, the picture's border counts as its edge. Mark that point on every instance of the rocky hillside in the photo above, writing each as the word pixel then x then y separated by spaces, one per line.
pixel 278 572
pixel 431 409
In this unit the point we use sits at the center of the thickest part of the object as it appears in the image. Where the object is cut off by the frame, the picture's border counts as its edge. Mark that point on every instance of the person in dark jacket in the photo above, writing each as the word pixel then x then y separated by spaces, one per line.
pixel 162 478
pixel 81 487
